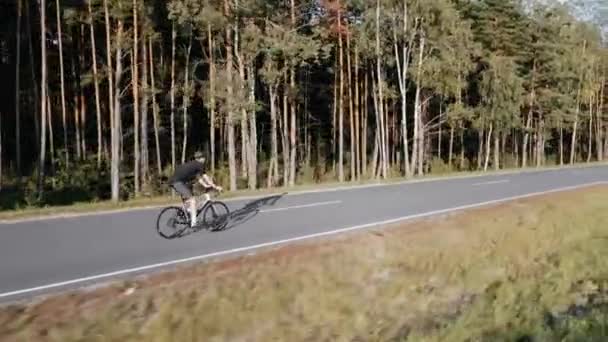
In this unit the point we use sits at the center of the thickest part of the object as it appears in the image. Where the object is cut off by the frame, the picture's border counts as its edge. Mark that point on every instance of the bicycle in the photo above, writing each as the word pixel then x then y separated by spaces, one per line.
pixel 178 218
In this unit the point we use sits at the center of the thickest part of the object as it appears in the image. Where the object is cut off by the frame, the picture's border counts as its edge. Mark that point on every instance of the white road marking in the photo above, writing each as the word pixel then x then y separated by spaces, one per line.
pixel 294 239
pixel 300 206
pixel 492 182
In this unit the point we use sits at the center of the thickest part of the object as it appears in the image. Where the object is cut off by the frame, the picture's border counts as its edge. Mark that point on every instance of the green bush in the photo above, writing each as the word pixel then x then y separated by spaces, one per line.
pixel 439 167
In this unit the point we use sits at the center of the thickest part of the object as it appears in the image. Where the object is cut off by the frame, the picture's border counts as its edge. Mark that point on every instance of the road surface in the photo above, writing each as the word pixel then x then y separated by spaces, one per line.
pixel 44 256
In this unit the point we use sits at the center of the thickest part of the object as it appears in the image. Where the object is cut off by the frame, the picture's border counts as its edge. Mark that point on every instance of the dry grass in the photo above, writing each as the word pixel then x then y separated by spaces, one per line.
pixel 488 274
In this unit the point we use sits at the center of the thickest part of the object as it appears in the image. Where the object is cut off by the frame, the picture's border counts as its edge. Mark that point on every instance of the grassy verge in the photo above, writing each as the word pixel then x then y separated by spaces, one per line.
pixel 530 270
pixel 86 207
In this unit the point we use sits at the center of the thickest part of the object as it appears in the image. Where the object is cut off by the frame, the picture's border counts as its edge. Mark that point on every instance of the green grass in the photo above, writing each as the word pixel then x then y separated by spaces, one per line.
pixel 503 273
pixel 142 202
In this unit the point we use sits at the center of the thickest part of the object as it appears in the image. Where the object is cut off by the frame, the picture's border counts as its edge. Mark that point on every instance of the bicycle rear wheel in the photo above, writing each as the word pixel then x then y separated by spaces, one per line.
pixel 172 222
pixel 215 215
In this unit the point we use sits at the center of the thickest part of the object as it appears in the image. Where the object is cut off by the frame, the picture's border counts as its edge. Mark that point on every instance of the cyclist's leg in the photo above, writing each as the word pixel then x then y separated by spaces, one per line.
pixel 186 194
pixel 206 191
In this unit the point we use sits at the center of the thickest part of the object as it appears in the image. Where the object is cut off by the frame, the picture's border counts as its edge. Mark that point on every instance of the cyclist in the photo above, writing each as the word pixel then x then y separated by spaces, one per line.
pixel 182 179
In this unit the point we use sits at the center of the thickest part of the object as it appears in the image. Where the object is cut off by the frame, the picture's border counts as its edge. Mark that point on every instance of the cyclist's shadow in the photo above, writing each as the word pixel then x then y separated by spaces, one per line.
pixel 242 215
pixel 250 210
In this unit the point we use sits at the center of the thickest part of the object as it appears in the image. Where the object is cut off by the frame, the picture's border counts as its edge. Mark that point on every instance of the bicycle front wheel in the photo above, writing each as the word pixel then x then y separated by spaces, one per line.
pixel 215 215
pixel 171 222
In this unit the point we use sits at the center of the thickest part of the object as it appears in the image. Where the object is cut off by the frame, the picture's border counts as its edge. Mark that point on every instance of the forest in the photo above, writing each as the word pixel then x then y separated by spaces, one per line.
pixel 102 99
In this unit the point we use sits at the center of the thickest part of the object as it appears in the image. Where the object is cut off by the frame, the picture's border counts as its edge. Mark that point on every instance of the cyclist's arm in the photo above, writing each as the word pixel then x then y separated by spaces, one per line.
pixel 206 181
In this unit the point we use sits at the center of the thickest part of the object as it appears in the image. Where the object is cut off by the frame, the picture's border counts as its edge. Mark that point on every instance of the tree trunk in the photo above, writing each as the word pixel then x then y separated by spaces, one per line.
pixel 600 121
pixel 488 142
pixel 503 148
pixel 83 103
pixel 396 136
pixel 49 118
pixel 421 135
pixel 244 138
pixel 111 103
pixel 402 67
pixel 461 148
pixel 417 126
pixel 253 134
pixel 529 117
pixel 229 117
pixel 270 173
pixel 211 47
pixel 390 133
pixel 43 95
pixel 480 143
pixel 451 147
pixel 35 85
pixel 135 89
pixel 575 125
pixel 515 142
pixel 154 107
pixel 115 169
pixel 334 119
pixel 377 158
pixel 427 153
pixel 383 137
pixel 244 125
pixel 375 154
pixel 173 39
pixel 561 143
pixel 307 133
pixel 17 97
pixel 83 124
pixel 353 160
pixel 534 141
pixel 605 142
pixel 573 140
pixel 357 116
pixel 77 106
pixel 386 134
pixel 96 85
pixel 273 171
pixel 145 159
pixel 590 138
pixel 223 139
pixel 496 151
pixel 284 126
pixel 77 126
pixel 524 149
pixel 514 148
pixel 186 98
pixel 534 146
pixel 440 129
pixel 294 104
pixel 340 101
pixel 460 122
pixel 365 113
pixel 598 133
pixel 1 169
pixel 540 161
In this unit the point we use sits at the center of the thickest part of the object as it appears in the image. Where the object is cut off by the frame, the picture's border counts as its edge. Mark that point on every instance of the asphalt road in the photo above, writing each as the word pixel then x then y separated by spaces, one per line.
pixel 43 256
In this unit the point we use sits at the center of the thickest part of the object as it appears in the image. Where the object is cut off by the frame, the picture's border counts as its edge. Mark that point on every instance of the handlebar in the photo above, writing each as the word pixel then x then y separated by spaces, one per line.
pixel 214 190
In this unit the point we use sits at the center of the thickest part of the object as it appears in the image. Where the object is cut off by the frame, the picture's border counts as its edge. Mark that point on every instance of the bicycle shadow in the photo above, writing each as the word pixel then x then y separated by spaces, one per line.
pixel 242 215
pixel 250 210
